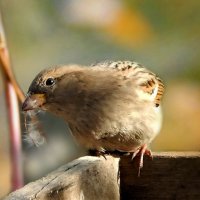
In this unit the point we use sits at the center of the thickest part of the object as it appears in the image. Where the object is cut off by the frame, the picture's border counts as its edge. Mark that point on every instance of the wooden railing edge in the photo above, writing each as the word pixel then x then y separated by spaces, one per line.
pixel 170 175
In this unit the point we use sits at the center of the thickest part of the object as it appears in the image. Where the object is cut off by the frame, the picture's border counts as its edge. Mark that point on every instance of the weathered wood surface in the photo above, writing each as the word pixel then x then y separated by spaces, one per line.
pixel 88 177
pixel 167 176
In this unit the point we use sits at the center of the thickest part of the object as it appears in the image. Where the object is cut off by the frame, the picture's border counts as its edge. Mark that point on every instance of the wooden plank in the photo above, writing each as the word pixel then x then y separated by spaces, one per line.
pixel 87 178
pixel 169 175
pixel 174 175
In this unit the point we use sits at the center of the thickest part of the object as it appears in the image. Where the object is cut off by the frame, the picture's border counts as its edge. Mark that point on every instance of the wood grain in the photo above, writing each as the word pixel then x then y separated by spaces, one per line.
pixel 170 175
pixel 174 175
pixel 92 178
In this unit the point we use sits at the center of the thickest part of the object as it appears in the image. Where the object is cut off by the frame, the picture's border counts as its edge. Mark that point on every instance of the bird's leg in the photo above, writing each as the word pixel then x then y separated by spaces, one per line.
pixel 140 152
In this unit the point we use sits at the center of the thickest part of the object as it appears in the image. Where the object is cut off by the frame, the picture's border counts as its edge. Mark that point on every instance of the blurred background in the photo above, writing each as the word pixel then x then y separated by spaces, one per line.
pixel 160 35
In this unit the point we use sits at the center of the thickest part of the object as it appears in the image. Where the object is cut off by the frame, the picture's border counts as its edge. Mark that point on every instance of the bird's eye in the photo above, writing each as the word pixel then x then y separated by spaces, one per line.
pixel 50 82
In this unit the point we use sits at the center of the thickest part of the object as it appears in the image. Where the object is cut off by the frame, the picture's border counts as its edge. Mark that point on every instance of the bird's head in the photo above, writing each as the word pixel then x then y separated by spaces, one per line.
pixel 50 88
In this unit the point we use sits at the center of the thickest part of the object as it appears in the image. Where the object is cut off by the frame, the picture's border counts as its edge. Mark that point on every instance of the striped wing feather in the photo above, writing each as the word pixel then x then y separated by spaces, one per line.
pixel 147 81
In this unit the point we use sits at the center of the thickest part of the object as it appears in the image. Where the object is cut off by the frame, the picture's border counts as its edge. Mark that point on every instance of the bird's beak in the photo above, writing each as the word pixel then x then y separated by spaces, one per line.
pixel 33 101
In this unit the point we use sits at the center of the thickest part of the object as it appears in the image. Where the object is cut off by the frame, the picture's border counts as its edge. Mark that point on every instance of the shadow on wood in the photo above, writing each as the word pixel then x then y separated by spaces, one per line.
pixel 168 176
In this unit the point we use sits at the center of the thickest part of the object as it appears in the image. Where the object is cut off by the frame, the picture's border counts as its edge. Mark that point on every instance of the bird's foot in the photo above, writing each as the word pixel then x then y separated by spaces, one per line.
pixel 94 152
pixel 141 151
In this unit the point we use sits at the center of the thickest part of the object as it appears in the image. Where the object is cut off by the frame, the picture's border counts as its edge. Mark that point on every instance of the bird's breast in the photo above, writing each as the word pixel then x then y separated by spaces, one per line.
pixel 122 131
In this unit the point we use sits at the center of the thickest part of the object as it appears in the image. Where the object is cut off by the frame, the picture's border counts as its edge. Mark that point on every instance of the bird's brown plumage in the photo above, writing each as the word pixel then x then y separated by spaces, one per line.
pixel 109 106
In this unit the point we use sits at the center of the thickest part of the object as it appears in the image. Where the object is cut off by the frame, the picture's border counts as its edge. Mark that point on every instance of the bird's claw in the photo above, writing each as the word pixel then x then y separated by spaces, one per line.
pixel 97 153
pixel 141 151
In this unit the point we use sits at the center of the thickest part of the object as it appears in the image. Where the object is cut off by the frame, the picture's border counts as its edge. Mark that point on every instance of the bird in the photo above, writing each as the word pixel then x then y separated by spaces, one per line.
pixel 108 106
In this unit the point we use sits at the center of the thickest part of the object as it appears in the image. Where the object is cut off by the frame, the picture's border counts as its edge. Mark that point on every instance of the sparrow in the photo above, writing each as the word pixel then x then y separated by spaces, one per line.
pixel 109 106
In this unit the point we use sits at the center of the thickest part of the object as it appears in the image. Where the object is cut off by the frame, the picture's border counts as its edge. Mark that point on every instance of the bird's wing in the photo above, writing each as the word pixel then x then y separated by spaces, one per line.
pixel 150 85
